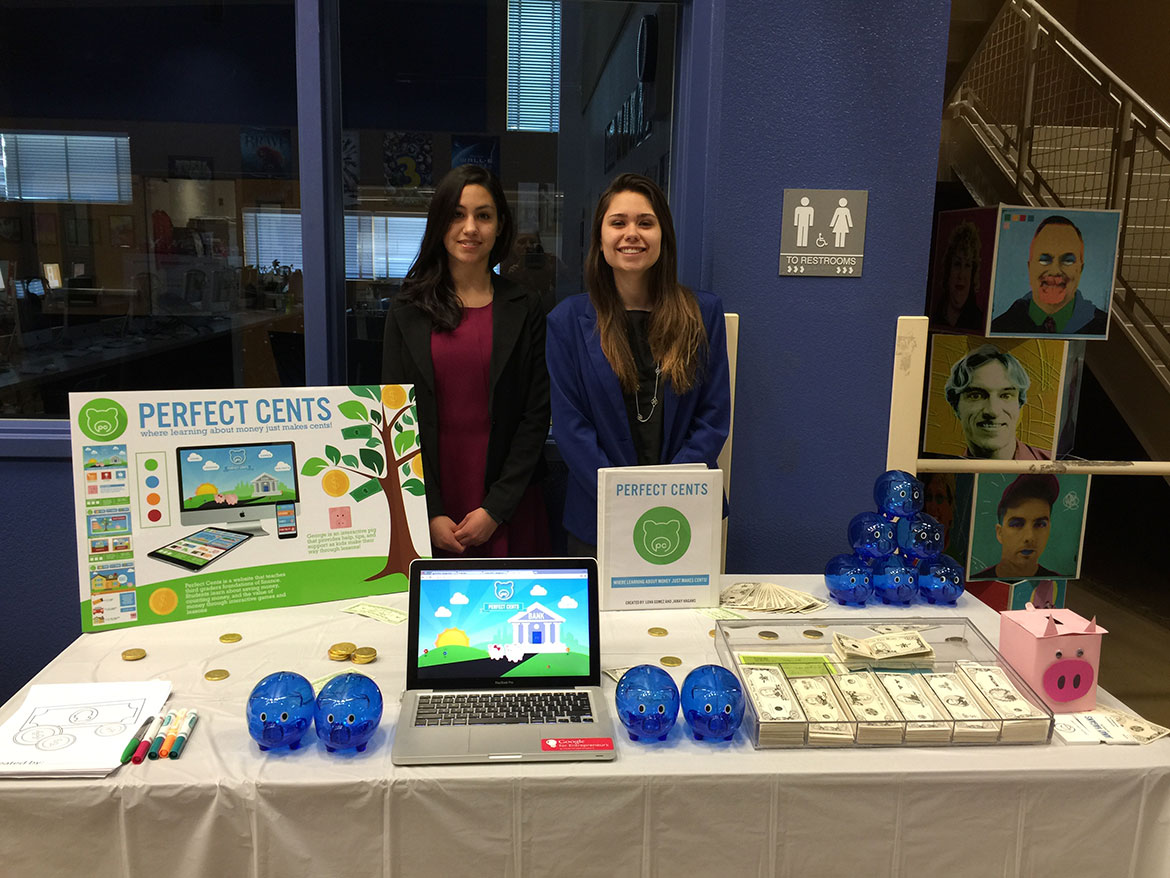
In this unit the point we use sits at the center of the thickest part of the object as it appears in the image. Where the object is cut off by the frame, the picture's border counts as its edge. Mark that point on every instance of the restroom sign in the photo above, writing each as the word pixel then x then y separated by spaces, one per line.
pixel 823 232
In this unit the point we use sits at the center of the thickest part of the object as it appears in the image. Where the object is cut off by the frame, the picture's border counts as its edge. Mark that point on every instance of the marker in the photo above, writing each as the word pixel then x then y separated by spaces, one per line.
pixel 173 732
pixel 160 736
pixel 136 740
pixel 184 733
pixel 147 739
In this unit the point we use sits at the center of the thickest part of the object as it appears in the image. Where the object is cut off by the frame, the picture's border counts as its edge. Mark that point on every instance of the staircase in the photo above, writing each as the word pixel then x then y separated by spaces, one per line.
pixel 1036 119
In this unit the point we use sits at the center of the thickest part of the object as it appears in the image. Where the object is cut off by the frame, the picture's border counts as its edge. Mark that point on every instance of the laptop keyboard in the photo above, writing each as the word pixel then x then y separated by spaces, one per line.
pixel 499 708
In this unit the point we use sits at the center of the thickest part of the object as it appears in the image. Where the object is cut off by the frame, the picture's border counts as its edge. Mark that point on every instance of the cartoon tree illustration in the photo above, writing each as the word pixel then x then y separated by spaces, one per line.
pixel 389 461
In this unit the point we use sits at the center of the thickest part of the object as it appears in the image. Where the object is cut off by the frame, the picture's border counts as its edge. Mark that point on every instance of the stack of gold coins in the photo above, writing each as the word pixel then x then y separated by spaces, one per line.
pixel 340 652
pixel 364 655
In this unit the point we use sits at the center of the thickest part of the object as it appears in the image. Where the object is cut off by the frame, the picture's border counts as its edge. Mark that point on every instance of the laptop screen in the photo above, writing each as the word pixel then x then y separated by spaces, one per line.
pixel 488 624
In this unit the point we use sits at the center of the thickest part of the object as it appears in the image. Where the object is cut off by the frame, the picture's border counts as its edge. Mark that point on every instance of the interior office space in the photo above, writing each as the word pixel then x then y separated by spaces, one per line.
pixel 836 95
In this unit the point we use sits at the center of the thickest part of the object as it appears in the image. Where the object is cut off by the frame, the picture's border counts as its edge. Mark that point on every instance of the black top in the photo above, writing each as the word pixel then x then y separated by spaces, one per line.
pixel 647 429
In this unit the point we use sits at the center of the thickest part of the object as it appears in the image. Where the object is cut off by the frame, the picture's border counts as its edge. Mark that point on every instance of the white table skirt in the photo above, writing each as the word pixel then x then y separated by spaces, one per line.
pixel 677 807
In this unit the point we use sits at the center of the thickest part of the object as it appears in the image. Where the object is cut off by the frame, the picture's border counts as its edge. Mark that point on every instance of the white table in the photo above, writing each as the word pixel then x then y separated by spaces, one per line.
pixel 681 807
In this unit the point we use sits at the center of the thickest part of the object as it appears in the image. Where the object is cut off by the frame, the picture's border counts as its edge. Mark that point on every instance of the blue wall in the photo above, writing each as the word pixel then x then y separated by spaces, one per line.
pixel 837 94
pixel 834 95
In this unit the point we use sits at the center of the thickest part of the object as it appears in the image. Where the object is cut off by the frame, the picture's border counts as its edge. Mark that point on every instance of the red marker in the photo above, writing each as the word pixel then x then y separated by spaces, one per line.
pixel 147 739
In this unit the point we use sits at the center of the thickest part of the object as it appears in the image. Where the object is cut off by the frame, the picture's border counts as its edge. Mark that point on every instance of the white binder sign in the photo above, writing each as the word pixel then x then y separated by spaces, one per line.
pixel 658 536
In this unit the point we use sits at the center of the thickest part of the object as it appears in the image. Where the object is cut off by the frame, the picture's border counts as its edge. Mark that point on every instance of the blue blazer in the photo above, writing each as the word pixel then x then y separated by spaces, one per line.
pixel 589 420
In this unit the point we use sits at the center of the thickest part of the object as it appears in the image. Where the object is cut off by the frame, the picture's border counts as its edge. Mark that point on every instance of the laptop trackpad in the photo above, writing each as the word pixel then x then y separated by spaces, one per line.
pixel 504 740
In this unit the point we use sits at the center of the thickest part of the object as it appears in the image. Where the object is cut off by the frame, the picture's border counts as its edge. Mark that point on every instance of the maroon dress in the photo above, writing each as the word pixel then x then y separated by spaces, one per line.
pixel 461 360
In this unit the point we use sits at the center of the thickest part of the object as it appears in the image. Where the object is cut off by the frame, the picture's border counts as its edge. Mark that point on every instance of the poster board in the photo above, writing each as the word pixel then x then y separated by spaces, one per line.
pixel 206 502
pixel 659 532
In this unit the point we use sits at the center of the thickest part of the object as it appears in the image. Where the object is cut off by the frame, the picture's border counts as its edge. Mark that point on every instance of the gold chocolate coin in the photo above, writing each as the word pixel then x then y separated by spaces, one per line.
pixel 768 635
pixel 657 632
pixel 133 655
pixel 230 637
pixel 216 674
pixel 363 655
pixel 671 661
pixel 711 633
pixel 339 652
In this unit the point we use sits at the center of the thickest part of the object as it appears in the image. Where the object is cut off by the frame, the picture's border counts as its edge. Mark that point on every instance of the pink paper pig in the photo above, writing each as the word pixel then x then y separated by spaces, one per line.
pixel 1057 652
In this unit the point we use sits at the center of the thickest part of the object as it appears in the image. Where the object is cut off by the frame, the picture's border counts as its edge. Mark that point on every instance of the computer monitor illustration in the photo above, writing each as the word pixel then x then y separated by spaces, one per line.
pixel 237 486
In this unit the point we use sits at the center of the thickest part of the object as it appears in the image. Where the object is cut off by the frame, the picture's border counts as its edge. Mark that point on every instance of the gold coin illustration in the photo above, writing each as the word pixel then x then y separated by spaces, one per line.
pixel 231 637
pixel 216 674
pixel 671 661
pixel 164 601
pixel 133 655
pixel 416 465
pixel 657 632
pixel 393 396
pixel 335 483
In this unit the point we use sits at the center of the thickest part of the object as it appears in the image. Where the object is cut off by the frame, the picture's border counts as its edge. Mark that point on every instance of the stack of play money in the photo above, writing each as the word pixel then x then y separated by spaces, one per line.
pixel 878 720
pixel 975 721
pixel 898 649
pixel 1023 722
pixel 782 722
pixel 830 723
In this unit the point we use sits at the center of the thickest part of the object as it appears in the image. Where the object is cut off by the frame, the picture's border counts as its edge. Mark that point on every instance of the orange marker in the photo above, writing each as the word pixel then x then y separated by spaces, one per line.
pixel 172 733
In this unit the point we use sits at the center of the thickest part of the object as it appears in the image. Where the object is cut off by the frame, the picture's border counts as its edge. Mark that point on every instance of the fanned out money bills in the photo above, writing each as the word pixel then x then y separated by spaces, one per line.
pixel 770 597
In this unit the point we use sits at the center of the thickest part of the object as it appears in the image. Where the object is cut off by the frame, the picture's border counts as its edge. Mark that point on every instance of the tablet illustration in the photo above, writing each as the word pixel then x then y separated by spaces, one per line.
pixel 196 551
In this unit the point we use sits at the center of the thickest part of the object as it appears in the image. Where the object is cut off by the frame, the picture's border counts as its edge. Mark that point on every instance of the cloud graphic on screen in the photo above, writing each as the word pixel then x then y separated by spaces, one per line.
pixel 209 465
pixel 264 453
pixel 566 603
pixel 442 612
pixel 538 591
pixel 458 598
pixel 282 467
pixel 194 457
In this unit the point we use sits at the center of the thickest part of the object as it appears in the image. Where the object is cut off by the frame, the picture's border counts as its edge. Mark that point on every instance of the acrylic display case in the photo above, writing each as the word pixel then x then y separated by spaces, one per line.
pixel 801 692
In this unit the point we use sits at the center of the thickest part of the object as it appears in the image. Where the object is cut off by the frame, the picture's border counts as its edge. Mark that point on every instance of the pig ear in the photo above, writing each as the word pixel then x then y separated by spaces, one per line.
pixel 1091 628
pixel 1050 629
pixel 1029 606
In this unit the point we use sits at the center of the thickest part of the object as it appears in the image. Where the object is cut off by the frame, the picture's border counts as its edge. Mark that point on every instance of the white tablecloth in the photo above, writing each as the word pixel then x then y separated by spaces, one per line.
pixel 680 807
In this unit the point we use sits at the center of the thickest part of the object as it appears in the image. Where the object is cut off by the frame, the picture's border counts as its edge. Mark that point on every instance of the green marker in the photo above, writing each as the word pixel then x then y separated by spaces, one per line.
pixel 136 740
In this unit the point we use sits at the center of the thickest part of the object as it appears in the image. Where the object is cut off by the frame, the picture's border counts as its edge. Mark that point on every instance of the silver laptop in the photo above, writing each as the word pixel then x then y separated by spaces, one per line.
pixel 503 663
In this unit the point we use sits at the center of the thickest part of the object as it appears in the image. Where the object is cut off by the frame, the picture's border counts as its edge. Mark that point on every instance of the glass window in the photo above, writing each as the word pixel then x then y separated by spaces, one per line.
pixel 548 95
pixel 149 183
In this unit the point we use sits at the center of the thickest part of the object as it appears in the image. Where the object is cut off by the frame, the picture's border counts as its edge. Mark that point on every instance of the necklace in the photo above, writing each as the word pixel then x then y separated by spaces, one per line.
pixel 653 399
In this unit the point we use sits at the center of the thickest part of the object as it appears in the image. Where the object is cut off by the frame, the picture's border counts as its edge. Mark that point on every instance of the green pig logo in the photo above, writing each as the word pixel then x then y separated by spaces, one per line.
pixel 102 420
pixel 662 535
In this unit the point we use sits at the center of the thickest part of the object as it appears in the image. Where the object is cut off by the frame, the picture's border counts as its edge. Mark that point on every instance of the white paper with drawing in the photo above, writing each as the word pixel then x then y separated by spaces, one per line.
pixel 76 729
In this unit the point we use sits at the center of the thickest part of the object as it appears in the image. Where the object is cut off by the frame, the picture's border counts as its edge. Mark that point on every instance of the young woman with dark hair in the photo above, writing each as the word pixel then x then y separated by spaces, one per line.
pixel 472 344
pixel 638 366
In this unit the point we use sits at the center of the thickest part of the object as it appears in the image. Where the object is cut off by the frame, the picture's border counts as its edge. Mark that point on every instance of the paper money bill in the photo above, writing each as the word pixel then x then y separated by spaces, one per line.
pixel 392 615
pixel 771 694
pixel 994 685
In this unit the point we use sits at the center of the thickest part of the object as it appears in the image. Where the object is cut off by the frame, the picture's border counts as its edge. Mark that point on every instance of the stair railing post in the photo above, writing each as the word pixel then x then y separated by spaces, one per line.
pixel 1123 151
pixel 1024 135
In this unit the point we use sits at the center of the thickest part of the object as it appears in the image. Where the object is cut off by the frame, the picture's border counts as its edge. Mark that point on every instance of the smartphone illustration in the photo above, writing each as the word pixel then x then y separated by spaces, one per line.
pixel 286 520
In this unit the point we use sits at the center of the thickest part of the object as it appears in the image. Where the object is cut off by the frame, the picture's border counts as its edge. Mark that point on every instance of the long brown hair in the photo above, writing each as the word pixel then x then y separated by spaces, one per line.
pixel 428 284
pixel 678 339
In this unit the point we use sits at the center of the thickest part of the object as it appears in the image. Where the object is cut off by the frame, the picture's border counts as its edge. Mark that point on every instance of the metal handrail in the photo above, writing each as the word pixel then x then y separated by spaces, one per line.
pixel 1068 132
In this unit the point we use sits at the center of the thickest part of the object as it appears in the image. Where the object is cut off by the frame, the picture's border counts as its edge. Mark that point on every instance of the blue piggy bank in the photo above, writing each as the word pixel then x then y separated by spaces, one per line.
pixel 895 581
pixel 898 494
pixel 349 709
pixel 920 537
pixel 280 710
pixel 712 702
pixel 849 580
pixel 942 581
pixel 647 702
pixel 871 535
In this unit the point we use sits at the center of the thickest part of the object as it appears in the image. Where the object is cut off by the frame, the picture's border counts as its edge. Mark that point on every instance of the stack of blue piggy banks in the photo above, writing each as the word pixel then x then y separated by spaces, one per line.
pixel 897 551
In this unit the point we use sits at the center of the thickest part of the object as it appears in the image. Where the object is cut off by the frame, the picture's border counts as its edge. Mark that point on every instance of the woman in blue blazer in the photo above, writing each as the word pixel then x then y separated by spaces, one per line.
pixel 638 366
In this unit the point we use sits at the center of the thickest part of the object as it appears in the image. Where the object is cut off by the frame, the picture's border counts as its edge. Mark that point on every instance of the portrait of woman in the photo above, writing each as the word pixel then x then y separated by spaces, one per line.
pixel 638 364
pixel 472 344
pixel 956 304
